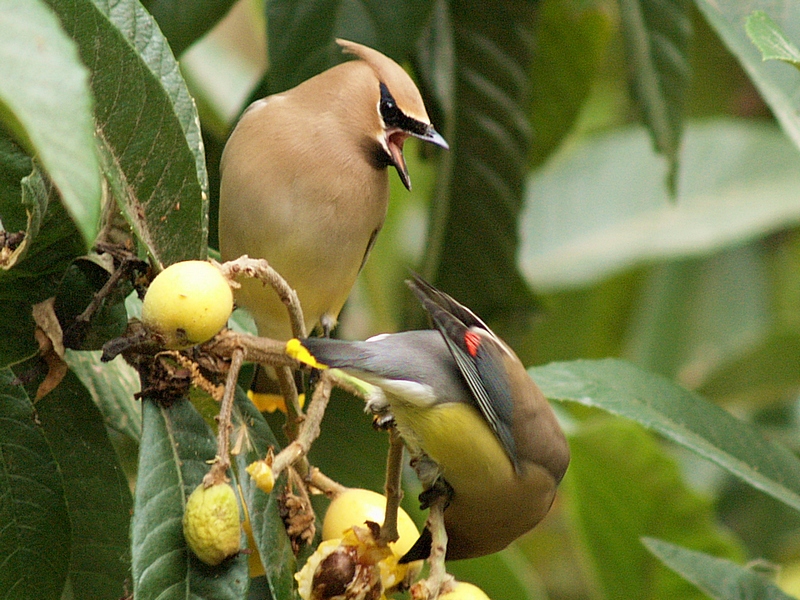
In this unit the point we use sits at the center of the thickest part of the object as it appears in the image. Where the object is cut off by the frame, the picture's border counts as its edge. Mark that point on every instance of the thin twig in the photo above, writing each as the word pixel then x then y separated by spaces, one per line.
pixel 102 294
pixel 438 580
pixel 223 459
pixel 393 489
pixel 259 269
pixel 256 349
pixel 317 479
pixel 309 428
pixel 294 414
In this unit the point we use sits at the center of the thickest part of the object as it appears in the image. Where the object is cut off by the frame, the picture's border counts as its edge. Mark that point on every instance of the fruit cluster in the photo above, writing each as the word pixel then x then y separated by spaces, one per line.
pixel 187 304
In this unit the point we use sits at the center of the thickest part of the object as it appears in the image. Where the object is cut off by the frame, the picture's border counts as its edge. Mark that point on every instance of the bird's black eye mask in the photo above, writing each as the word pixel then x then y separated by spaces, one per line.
pixel 394 117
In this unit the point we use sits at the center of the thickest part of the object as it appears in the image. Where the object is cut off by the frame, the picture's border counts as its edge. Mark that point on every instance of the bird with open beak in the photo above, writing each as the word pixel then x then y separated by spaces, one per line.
pixel 305 183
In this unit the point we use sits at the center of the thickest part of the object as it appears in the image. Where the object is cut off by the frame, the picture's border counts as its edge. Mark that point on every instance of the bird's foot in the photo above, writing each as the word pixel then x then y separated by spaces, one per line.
pixel 439 490
pixel 383 421
pixel 327 322
pixel 426 468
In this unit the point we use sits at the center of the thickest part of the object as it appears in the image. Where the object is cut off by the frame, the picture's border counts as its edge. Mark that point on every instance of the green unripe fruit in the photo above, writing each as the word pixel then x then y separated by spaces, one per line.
pixel 211 523
pixel 187 303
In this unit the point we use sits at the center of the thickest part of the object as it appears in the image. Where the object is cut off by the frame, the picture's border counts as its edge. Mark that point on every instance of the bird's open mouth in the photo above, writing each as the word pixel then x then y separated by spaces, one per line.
pixel 394 141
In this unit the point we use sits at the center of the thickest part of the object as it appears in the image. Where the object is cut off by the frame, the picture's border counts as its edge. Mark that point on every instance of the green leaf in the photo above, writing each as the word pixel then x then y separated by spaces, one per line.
pixel 600 313
pixel 15 164
pixel 46 102
pixel 571 40
pixel 20 212
pixel 112 386
pixel 778 84
pixel 34 524
pixel 96 491
pixel 148 129
pixel 182 22
pixel 176 447
pixel 656 43
pixel 695 316
pixel 767 371
pixel 300 35
pixel 643 494
pixel 84 278
pixel 719 84
pixel 682 416
pixel 269 531
pixel 52 243
pixel 720 579
pixel 725 198
pixel 768 37
pixel 480 192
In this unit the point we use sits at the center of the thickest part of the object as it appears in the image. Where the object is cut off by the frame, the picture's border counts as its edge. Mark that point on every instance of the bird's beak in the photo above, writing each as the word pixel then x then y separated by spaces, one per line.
pixel 432 136
pixel 395 140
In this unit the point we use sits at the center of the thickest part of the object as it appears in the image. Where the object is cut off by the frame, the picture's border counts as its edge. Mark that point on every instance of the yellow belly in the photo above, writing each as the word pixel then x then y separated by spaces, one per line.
pixel 492 504
pixel 459 440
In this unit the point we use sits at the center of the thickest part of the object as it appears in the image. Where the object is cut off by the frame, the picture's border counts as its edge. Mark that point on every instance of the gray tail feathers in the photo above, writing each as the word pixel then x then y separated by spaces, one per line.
pixel 335 353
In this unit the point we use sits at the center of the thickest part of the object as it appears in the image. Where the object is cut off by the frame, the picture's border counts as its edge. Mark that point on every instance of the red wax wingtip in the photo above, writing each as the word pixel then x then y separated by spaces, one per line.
pixel 473 341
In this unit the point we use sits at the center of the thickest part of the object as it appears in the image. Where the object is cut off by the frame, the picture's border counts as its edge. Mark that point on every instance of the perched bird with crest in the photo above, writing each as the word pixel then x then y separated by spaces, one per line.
pixel 305 184
pixel 462 400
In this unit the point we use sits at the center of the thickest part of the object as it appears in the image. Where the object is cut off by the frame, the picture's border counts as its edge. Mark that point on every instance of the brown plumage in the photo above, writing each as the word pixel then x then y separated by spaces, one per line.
pixel 305 182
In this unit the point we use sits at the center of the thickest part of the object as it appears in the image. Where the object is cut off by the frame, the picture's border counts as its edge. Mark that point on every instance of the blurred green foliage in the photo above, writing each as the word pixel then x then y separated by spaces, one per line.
pixel 623 183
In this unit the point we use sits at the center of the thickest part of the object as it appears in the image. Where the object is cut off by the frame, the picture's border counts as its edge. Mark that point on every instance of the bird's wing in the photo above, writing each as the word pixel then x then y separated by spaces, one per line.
pixel 479 356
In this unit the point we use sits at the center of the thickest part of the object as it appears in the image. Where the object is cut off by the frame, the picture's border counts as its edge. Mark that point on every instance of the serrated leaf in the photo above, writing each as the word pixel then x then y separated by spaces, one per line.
pixel 778 84
pixel 301 35
pixel 95 488
pixel 269 531
pixel 727 197
pixel 112 386
pixel 34 525
pixel 53 243
pixel 175 449
pixel 643 494
pixel 46 102
pixel 473 239
pixel 656 43
pixel 148 130
pixel 721 579
pixel 623 389
pixel 768 37
pixel 184 21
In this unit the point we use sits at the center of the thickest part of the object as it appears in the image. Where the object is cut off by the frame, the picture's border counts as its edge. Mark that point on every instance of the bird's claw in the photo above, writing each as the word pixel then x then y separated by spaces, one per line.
pixel 439 489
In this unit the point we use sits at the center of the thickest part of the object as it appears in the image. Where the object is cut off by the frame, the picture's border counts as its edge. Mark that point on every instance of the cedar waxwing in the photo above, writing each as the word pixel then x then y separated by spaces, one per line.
pixel 305 183
pixel 461 398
